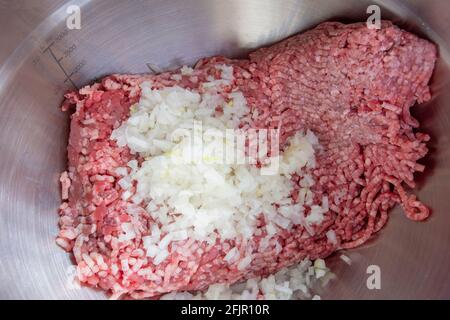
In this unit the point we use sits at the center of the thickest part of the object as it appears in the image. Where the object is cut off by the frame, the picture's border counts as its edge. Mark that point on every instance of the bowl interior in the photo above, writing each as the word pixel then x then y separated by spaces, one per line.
pixel 128 37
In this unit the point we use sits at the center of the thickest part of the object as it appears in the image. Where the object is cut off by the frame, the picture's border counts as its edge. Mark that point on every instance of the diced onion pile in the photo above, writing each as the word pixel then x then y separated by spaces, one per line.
pixel 188 188
pixel 289 283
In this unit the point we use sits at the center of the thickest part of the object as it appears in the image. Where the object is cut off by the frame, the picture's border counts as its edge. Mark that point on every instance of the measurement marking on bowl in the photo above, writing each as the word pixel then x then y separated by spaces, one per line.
pixel 76 70
pixel 48 47
pixel 58 62
pixel 66 53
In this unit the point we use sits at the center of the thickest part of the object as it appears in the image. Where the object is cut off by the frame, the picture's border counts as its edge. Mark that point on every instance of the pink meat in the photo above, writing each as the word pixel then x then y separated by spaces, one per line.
pixel 352 86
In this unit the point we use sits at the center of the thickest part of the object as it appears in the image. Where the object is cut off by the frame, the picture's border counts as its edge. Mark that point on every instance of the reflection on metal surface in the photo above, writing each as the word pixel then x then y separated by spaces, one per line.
pixel 123 36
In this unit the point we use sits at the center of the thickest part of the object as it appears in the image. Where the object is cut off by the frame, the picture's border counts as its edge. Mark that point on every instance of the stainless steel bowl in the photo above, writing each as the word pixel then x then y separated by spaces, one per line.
pixel 38 54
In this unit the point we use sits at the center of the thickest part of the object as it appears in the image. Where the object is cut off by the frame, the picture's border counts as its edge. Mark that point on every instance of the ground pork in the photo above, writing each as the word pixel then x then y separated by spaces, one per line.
pixel 352 86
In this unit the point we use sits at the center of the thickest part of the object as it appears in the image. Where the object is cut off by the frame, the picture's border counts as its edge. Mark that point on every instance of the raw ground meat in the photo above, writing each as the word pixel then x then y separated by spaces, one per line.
pixel 351 86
